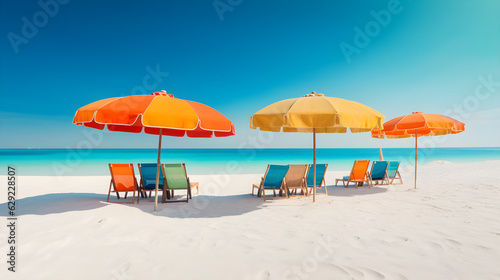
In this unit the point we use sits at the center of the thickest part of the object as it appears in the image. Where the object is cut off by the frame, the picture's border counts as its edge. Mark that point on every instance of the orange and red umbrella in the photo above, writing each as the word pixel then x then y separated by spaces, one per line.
pixel 416 125
pixel 159 113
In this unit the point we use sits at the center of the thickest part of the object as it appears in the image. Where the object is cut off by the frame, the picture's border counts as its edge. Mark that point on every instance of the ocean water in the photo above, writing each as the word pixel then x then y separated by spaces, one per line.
pixel 62 162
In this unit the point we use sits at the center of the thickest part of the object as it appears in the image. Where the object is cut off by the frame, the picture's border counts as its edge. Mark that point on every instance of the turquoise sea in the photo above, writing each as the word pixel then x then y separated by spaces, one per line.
pixel 66 162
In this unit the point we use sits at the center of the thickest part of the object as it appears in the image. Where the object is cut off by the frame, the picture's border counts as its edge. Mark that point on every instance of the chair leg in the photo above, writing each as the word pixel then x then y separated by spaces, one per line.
pixel 125 195
pixel 324 185
pixel 264 194
pixel 109 192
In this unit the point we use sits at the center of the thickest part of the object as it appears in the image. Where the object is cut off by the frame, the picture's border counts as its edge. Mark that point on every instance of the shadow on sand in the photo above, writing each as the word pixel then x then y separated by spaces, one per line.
pixel 201 206
pixel 340 190
pixel 205 206
pixel 56 203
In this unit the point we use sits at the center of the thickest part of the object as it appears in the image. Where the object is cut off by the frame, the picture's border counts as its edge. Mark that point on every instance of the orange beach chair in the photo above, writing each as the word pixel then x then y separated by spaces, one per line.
pixel 123 180
pixel 358 175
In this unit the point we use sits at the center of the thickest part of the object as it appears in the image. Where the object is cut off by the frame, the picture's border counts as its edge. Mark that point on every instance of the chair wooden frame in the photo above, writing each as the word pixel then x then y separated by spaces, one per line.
pixel 319 186
pixel 397 176
pixel 169 192
pixel 142 189
pixel 357 182
pixel 261 188
pixel 115 190
pixel 384 180
pixel 303 181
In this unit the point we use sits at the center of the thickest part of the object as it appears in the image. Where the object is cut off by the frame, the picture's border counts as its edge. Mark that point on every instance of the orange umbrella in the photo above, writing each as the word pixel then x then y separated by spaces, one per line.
pixel 159 114
pixel 416 125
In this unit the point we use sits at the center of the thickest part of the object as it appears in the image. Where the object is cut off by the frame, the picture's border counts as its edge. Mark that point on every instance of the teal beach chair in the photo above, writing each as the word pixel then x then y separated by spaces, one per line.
pixel 393 172
pixel 378 173
pixel 320 177
pixel 274 179
pixel 148 178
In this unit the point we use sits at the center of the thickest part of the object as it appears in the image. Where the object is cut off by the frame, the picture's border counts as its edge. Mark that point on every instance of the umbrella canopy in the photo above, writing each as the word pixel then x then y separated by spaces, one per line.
pixel 416 125
pixel 160 114
pixel 317 113
pixel 175 117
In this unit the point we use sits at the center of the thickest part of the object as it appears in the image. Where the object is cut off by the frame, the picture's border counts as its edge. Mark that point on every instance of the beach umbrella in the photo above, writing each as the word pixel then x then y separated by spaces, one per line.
pixel 316 113
pixel 417 125
pixel 159 114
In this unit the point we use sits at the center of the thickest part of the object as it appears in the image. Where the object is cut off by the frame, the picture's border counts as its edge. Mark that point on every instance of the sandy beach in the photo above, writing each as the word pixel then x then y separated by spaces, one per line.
pixel 448 228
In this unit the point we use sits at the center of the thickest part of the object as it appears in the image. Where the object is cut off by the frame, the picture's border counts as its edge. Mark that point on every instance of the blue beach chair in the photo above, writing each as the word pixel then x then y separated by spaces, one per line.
pixel 148 178
pixel 378 173
pixel 320 177
pixel 274 179
pixel 393 172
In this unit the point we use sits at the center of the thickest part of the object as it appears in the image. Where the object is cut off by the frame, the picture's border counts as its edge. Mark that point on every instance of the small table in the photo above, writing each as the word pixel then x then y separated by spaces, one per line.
pixel 195 185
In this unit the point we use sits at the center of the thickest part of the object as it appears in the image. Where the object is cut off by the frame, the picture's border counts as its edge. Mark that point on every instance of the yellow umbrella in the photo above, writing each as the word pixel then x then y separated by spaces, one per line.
pixel 317 113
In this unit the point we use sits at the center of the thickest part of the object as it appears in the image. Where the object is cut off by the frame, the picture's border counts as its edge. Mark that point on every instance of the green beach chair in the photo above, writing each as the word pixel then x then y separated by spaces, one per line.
pixel 175 178
pixel 320 177
pixel 393 172
pixel 274 179
pixel 378 173
pixel 148 178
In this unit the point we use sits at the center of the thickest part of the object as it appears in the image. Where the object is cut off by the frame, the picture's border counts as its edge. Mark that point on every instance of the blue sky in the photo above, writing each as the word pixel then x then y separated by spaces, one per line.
pixel 239 56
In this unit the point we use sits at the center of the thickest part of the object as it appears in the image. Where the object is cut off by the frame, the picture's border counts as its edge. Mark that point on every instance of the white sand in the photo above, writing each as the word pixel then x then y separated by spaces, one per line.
pixel 448 228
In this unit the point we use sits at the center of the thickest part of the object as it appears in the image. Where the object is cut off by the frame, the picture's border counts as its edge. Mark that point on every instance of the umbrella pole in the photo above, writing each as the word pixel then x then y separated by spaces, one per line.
pixel 314 167
pixel 157 172
pixel 416 158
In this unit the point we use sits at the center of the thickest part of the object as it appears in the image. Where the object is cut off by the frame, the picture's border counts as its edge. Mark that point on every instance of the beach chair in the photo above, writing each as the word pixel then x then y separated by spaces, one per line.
pixel 320 177
pixel 358 175
pixel 175 178
pixel 378 173
pixel 296 179
pixel 393 172
pixel 147 182
pixel 123 180
pixel 274 179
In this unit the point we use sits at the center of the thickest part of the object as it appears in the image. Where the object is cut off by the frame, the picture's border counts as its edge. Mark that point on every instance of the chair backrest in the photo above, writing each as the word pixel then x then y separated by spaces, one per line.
pixel 359 169
pixel 295 175
pixel 148 175
pixel 320 173
pixel 176 176
pixel 392 169
pixel 275 175
pixel 123 176
pixel 378 170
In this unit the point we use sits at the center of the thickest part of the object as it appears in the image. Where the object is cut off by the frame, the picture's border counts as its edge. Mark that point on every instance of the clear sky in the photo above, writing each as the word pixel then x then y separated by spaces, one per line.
pixel 239 56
